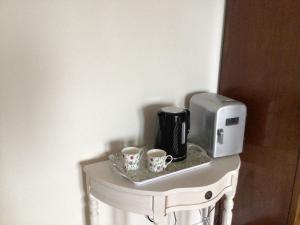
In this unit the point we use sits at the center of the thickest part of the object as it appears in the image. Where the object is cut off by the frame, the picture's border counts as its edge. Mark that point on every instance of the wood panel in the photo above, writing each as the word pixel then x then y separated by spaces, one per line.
pixel 294 215
pixel 297 214
pixel 261 67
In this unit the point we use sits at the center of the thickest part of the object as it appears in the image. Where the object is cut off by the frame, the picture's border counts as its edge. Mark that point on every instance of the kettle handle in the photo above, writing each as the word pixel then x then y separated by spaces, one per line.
pixel 185 127
pixel 187 120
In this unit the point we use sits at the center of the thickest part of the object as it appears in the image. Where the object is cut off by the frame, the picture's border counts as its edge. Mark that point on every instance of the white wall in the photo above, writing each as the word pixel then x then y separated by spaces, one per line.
pixel 77 80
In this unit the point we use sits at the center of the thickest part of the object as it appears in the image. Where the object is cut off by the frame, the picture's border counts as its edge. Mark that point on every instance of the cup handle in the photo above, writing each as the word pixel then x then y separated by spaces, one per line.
pixel 143 149
pixel 168 163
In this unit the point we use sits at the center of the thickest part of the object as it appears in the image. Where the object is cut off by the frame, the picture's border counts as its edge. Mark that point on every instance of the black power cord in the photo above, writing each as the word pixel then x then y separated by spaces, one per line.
pixel 175 218
pixel 206 218
pixel 211 210
pixel 152 221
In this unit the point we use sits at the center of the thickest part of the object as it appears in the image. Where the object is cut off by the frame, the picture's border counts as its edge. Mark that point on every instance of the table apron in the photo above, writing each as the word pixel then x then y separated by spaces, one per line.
pixel 142 204
pixel 189 200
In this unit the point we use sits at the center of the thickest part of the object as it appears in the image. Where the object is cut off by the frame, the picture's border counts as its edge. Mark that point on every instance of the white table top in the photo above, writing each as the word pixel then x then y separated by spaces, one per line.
pixel 204 176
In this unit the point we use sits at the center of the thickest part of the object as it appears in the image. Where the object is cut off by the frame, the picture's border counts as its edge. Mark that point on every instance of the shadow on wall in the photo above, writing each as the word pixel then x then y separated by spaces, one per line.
pixel 147 117
pixel 113 146
pixel 188 97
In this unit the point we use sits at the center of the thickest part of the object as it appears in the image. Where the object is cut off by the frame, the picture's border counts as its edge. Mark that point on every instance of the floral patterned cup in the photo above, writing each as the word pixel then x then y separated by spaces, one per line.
pixel 132 156
pixel 157 160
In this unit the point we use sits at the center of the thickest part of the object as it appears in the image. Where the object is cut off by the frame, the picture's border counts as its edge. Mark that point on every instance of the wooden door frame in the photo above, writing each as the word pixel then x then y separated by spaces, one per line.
pixel 294 212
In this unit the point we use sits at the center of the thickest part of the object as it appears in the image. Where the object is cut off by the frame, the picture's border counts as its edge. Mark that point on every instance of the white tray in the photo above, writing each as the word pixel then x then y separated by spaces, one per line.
pixel 196 157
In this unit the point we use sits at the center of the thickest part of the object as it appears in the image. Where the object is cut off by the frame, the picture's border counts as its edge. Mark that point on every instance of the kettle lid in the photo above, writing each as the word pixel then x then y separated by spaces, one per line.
pixel 172 109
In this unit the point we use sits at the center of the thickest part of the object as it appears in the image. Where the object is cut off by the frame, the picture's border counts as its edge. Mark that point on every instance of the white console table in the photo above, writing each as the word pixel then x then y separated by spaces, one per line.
pixel 197 189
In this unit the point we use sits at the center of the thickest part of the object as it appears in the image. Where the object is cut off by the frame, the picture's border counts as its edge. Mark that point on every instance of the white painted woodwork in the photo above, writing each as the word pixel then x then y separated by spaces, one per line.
pixel 94 210
pixel 186 198
pixel 228 206
pixel 159 210
pixel 184 191
pixel 120 199
pixel 212 215
pixel 228 202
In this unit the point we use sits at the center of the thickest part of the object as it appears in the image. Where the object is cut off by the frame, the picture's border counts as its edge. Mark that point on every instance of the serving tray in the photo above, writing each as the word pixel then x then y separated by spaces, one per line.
pixel 196 157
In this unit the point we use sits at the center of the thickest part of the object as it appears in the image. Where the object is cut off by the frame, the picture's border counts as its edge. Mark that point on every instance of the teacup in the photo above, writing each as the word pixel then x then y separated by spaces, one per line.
pixel 132 156
pixel 157 160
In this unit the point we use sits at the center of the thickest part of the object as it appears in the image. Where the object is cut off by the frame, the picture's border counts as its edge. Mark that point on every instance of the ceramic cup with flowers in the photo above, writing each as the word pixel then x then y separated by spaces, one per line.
pixel 157 160
pixel 132 157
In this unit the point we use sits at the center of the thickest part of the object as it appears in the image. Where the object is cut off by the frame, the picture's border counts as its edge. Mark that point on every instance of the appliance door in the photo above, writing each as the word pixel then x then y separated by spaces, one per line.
pixel 229 130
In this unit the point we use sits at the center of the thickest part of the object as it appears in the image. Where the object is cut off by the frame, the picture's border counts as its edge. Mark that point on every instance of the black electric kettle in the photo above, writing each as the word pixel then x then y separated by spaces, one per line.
pixel 173 125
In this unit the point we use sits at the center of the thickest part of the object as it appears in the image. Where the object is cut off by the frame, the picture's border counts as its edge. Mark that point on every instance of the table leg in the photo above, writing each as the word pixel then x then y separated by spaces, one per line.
pixel 228 206
pixel 228 202
pixel 159 212
pixel 94 210
pixel 212 215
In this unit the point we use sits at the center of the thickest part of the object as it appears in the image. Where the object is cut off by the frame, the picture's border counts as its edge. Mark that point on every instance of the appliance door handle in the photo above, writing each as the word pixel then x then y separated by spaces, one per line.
pixel 183 133
pixel 220 136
